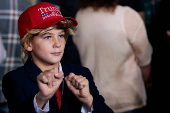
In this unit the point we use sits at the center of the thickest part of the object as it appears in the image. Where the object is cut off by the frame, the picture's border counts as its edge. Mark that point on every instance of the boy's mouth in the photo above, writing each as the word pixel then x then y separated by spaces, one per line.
pixel 56 53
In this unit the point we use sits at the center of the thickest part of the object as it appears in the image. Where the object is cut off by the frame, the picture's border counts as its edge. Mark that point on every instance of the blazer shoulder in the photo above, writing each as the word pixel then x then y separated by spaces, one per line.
pixel 17 73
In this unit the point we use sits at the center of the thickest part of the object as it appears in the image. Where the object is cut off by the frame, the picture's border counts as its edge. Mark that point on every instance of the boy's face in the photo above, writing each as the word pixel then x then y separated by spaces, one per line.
pixel 47 49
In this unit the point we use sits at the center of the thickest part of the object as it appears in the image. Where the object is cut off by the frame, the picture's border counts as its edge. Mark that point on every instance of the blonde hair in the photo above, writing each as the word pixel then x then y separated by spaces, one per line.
pixel 67 25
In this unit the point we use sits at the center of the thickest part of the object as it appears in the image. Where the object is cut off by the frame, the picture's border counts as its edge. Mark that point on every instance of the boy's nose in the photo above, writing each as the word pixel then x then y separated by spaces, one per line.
pixel 56 43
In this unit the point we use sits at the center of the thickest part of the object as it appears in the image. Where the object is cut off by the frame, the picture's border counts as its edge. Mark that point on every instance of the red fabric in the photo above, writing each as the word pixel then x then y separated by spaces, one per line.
pixel 58 95
pixel 40 16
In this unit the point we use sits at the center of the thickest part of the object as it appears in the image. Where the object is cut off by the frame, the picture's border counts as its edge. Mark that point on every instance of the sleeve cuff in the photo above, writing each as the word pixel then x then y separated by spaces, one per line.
pixel 85 110
pixel 38 110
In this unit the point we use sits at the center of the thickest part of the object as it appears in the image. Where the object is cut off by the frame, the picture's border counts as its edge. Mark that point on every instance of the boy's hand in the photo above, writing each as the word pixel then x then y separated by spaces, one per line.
pixel 48 83
pixel 79 86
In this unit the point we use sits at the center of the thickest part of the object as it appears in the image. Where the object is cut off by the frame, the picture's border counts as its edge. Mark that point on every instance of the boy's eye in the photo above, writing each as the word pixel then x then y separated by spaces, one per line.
pixel 61 36
pixel 47 37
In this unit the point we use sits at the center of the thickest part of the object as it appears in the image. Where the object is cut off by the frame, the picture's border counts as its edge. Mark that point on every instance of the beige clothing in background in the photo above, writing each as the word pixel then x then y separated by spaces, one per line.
pixel 114 45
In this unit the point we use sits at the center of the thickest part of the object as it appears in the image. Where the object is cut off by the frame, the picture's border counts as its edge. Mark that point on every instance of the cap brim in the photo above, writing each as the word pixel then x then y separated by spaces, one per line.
pixel 53 21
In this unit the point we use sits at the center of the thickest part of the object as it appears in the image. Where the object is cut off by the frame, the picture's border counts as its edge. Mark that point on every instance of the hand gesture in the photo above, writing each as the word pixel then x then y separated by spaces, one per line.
pixel 48 83
pixel 79 86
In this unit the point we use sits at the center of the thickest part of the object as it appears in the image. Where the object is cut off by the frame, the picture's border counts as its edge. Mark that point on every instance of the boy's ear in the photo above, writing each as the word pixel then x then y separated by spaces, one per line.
pixel 28 46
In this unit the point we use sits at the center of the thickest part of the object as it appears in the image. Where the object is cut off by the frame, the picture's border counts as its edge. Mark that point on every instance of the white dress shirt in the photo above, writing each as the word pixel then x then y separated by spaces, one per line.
pixel 46 108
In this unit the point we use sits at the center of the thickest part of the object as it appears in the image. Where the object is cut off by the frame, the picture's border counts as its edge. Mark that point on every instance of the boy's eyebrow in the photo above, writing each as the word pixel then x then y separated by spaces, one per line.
pixel 45 33
pixel 62 31
pixel 48 33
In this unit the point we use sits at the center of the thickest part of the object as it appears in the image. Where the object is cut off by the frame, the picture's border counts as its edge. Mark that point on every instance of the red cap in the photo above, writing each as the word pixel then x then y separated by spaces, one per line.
pixel 40 16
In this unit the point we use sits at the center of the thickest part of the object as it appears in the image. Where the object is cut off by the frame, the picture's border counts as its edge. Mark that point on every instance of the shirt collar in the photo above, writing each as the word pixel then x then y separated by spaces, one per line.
pixel 60 67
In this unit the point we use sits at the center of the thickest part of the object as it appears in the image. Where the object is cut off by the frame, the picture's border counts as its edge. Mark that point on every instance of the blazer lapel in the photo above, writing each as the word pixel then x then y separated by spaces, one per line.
pixel 54 104
pixel 32 69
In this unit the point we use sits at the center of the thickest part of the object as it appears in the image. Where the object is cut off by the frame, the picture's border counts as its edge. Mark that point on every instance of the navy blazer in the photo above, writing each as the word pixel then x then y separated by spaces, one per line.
pixel 20 86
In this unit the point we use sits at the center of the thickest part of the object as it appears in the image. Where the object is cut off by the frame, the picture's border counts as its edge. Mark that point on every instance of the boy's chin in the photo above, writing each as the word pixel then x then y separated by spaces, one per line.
pixel 55 62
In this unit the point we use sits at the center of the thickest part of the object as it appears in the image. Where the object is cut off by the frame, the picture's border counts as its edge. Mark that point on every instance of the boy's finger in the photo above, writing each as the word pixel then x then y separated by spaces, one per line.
pixel 59 75
pixel 78 81
pixel 50 79
pixel 67 81
pixel 56 70
pixel 73 80
pixel 70 76
pixel 42 78
pixel 83 83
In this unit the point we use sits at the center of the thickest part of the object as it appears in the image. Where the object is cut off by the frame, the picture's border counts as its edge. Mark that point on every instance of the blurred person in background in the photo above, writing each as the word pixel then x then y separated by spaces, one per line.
pixel 137 5
pixel 113 44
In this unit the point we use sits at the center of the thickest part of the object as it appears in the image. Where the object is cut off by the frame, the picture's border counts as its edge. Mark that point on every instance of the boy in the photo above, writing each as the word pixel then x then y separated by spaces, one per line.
pixel 38 86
